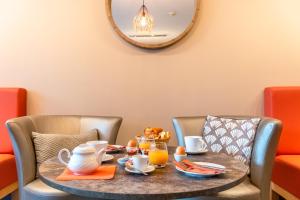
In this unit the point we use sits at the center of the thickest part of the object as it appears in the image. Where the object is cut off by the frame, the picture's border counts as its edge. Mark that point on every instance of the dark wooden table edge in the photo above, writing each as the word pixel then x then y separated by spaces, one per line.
pixel 160 196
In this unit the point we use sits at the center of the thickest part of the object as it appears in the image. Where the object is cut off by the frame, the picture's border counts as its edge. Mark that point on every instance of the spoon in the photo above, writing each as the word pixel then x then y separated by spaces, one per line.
pixel 132 168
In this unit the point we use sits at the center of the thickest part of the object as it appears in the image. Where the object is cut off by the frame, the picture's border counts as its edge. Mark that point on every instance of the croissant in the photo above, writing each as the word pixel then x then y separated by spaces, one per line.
pixel 157 130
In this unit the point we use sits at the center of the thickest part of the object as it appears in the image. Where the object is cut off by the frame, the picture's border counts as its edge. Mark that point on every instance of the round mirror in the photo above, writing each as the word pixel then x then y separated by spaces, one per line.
pixel 152 23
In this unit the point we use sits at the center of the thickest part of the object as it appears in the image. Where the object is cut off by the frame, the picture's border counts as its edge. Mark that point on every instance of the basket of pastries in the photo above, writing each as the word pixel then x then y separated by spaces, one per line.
pixel 158 134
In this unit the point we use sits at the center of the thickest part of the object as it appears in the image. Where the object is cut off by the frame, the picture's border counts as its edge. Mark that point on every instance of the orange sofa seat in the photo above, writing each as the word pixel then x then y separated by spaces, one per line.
pixel 12 104
pixel 283 103
pixel 286 173
pixel 8 170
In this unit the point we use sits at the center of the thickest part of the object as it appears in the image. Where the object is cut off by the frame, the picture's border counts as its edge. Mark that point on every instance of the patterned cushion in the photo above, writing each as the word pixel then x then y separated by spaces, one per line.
pixel 234 137
pixel 48 145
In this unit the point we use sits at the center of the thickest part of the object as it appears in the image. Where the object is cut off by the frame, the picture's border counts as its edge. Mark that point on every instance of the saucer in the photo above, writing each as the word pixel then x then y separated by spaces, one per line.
pixel 149 169
pixel 107 158
pixel 201 151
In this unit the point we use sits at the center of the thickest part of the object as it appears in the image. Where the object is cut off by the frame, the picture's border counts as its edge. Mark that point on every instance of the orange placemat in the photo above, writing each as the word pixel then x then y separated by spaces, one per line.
pixel 102 173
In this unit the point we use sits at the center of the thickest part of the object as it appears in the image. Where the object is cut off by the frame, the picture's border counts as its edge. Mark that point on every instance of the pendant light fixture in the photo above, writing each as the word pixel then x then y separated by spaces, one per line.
pixel 143 22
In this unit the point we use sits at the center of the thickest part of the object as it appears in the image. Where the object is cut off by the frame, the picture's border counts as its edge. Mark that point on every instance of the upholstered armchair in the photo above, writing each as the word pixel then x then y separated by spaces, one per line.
pixel 257 185
pixel 20 129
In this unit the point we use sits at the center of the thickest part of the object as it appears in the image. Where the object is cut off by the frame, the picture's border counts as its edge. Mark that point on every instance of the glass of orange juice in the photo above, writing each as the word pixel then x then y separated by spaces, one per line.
pixel 145 144
pixel 158 155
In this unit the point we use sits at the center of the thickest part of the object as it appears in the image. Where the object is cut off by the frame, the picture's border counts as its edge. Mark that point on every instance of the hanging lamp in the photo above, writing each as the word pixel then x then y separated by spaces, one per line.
pixel 143 22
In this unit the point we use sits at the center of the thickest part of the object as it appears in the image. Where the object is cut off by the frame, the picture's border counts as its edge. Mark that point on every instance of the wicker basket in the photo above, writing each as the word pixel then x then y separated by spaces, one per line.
pixel 166 140
pixel 163 140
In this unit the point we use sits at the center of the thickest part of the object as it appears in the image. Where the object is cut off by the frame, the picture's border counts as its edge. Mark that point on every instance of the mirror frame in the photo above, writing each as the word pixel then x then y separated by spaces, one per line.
pixel 151 46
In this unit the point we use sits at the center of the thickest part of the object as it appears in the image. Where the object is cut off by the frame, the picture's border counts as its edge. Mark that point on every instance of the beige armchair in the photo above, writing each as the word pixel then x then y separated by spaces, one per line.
pixel 257 186
pixel 20 129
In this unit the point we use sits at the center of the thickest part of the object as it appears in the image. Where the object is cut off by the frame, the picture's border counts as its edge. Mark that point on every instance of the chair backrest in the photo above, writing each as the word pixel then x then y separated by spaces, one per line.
pixel 21 129
pixel 284 103
pixel 264 147
pixel 12 104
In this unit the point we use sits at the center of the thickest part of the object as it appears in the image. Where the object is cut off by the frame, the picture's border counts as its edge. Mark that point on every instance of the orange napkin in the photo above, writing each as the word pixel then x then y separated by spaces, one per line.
pixel 102 173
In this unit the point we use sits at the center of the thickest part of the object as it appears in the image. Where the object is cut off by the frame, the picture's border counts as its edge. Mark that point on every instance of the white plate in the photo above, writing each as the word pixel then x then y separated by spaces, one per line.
pixel 198 152
pixel 149 169
pixel 206 164
pixel 107 158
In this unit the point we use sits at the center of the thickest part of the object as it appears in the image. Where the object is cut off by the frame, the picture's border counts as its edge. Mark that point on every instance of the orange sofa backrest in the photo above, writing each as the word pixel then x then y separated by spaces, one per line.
pixel 283 103
pixel 12 104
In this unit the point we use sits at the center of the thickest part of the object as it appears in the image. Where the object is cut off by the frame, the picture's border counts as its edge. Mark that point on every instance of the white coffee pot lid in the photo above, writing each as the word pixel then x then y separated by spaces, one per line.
pixel 84 149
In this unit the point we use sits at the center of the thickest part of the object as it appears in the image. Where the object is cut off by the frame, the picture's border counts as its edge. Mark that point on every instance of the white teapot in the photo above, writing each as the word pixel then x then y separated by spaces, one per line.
pixel 85 159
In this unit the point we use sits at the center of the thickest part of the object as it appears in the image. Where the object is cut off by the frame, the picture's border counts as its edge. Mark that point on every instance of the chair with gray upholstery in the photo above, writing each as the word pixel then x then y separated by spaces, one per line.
pixel 30 187
pixel 257 185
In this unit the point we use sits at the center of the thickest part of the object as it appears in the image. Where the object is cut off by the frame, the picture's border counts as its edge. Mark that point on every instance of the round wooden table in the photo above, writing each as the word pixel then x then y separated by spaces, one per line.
pixel 165 183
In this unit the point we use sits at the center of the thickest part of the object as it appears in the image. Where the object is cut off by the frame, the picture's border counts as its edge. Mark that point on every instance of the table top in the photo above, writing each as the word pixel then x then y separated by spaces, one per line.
pixel 165 183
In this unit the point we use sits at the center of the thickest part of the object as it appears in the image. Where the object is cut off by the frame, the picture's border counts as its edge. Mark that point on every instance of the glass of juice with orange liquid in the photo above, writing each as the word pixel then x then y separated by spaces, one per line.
pixel 145 144
pixel 158 154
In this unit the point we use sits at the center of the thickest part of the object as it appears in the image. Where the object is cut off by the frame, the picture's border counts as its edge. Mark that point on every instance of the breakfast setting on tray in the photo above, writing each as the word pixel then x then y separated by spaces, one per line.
pixel 147 152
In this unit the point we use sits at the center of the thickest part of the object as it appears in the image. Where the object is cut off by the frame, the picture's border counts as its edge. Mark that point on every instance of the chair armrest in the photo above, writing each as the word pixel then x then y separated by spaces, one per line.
pixel 263 154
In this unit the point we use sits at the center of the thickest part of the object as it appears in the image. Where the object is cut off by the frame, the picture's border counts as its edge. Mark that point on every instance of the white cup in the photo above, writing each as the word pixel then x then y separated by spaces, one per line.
pixel 98 145
pixel 194 143
pixel 140 162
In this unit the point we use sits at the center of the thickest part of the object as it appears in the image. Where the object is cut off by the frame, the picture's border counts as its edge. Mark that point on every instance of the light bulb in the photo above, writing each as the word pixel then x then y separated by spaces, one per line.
pixel 143 22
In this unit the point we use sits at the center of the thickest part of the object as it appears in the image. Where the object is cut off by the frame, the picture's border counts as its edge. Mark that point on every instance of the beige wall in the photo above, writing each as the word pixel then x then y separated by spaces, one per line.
pixel 71 61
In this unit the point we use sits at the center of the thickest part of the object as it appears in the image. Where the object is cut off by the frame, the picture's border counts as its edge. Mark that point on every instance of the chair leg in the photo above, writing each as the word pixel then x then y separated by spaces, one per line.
pixel 276 196
pixel 15 195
